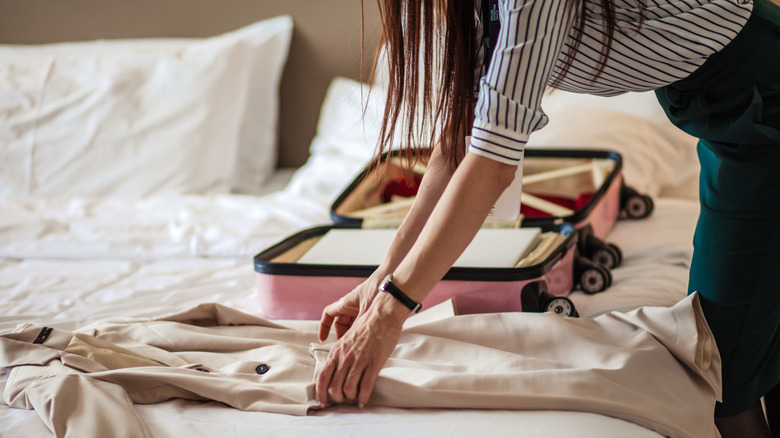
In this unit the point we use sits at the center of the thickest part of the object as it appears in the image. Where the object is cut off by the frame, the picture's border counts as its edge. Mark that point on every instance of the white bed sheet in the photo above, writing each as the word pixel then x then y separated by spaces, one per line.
pixel 69 262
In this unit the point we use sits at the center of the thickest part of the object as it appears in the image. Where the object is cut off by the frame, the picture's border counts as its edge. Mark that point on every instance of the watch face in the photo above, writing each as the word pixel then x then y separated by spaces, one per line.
pixel 383 284
pixel 559 306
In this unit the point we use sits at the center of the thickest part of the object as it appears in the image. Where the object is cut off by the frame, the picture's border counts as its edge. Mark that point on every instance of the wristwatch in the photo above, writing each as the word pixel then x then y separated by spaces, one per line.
pixel 387 286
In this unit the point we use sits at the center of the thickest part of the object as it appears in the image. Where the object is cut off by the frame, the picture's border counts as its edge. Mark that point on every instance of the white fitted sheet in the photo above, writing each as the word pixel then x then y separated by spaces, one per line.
pixel 69 262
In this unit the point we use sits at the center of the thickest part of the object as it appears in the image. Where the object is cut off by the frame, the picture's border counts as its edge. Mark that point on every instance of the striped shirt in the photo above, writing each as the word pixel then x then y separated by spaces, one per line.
pixel 675 38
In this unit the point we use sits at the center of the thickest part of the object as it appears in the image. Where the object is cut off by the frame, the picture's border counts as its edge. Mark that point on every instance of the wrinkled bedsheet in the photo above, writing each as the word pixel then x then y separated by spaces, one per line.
pixel 70 262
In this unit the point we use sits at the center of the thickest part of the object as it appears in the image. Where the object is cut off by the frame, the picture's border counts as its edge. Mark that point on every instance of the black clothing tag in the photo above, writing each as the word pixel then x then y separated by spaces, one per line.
pixel 490 27
pixel 43 335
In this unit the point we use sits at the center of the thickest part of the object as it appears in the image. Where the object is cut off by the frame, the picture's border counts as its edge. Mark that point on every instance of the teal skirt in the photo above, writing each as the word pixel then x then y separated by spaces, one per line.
pixel 732 104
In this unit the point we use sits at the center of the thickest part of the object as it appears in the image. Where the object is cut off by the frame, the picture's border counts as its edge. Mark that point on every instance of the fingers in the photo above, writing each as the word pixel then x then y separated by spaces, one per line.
pixel 342 313
pixel 335 389
pixel 367 384
pixel 354 376
pixel 331 380
pixel 325 323
pixel 344 384
pixel 341 376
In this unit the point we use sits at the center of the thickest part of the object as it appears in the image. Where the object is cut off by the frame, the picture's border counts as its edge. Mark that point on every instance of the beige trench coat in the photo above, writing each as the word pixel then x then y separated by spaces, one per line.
pixel 657 367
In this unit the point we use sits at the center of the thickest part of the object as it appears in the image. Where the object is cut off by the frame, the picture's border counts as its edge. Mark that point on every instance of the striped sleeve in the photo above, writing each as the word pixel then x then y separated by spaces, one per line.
pixel 508 107
pixel 673 40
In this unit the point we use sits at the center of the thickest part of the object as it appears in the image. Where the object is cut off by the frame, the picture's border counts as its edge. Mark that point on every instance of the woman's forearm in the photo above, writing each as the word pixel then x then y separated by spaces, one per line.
pixel 448 226
pixel 432 186
pixel 459 214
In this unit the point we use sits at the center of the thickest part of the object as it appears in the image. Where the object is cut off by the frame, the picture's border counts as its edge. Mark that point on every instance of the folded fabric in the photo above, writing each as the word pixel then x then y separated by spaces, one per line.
pixel 657 367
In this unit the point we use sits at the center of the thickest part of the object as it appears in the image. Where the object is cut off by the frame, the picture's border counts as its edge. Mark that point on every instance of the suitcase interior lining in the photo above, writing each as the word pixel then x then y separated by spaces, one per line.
pixel 296 252
pixel 367 194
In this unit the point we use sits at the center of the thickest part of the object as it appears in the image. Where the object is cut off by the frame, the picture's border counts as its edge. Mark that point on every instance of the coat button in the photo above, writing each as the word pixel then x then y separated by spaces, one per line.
pixel 261 369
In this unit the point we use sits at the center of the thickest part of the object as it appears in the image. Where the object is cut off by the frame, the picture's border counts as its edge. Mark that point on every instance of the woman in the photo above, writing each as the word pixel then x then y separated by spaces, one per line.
pixel 715 66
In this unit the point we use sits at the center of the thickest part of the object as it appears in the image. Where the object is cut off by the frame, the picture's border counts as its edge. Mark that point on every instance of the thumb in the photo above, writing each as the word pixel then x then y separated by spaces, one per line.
pixel 341 310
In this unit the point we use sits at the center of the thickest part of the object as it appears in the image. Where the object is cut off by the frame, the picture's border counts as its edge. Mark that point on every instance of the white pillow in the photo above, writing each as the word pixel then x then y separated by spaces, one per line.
pixel 350 119
pixel 658 158
pixel 142 117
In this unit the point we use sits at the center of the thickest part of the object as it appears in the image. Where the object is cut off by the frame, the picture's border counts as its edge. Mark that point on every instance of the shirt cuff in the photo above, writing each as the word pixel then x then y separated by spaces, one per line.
pixel 506 148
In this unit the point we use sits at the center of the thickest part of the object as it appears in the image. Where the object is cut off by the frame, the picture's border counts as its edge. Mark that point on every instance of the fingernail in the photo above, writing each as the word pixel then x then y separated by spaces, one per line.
pixel 361 405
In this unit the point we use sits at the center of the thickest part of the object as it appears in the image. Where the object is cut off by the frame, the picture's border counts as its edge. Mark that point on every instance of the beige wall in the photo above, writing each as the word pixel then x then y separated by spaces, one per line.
pixel 326 40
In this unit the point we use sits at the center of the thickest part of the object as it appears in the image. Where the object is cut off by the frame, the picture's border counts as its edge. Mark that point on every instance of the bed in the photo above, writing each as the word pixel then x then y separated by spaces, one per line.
pixel 141 175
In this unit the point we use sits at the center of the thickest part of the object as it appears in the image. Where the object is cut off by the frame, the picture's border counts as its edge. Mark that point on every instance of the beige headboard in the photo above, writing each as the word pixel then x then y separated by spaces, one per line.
pixel 326 40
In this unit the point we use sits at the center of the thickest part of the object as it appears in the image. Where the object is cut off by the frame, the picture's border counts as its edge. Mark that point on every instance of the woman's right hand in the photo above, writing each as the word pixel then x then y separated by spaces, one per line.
pixel 341 314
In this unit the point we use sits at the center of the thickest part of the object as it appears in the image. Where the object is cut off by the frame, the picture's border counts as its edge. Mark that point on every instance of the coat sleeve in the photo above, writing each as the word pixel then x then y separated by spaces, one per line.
pixel 73 404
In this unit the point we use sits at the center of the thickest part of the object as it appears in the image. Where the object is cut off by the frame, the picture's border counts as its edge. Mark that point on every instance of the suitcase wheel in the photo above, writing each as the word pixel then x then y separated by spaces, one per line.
pixel 635 205
pixel 601 252
pixel 535 298
pixel 608 255
pixel 618 252
pixel 592 276
pixel 560 306
pixel 638 207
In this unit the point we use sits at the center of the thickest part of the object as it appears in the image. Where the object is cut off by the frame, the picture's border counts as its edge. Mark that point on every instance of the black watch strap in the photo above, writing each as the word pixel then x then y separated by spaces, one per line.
pixel 388 286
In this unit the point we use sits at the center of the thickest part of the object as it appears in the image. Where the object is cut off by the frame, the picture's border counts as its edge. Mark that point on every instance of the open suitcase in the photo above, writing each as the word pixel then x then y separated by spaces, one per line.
pixel 589 197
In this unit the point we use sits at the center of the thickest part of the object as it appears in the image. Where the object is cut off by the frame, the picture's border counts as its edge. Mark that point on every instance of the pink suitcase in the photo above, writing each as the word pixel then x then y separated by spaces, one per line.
pixel 291 290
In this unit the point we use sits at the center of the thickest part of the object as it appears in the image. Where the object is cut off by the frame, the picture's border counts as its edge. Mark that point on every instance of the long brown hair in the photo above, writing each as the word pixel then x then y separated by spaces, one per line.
pixel 414 32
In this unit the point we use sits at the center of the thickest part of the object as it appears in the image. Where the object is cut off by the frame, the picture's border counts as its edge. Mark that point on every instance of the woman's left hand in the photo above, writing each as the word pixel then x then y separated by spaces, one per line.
pixel 354 362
